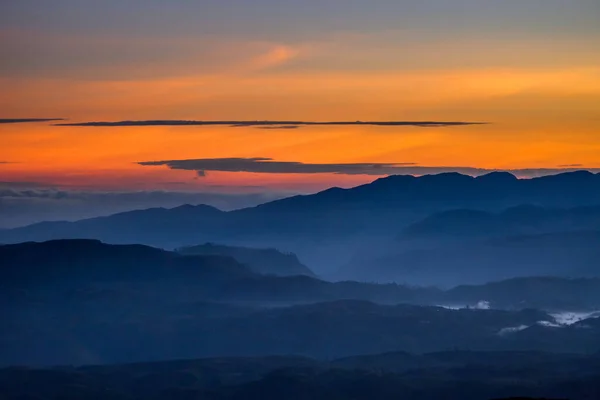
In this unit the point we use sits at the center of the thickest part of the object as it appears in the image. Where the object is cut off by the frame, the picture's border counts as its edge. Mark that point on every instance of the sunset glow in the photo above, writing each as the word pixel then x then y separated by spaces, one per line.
pixel 537 87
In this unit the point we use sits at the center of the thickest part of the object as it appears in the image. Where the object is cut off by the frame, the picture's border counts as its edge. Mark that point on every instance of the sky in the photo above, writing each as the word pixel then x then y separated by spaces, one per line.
pixel 510 85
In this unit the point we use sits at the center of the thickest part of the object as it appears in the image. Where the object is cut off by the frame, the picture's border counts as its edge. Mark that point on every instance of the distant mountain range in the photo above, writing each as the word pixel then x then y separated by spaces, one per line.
pixel 150 226
pixel 514 221
pixel 74 264
pixel 475 246
pixel 477 261
pixel 326 228
pixel 384 231
pixel 87 268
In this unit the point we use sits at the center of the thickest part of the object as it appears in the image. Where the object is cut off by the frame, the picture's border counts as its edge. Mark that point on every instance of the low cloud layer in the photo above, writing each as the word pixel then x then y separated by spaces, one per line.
pixel 269 166
pixel 24 120
pixel 273 124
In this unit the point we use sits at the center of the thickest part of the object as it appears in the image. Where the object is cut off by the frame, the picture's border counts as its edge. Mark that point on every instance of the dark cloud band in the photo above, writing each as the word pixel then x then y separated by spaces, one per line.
pixel 274 124
pixel 269 166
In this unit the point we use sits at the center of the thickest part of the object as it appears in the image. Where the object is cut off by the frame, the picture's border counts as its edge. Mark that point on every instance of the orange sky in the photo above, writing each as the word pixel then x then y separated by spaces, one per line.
pixel 540 92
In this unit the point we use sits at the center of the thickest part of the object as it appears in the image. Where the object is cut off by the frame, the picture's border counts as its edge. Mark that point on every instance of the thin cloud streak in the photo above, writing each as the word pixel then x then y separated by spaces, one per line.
pixel 25 120
pixel 280 127
pixel 269 166
pixel 271 124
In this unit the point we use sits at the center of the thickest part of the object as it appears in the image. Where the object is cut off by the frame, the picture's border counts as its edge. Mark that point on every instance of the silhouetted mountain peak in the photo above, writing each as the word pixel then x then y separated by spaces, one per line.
pixel 446 177
pixel 497 178
pixel 186 209
pixel 575 177
pixel 195 208
pixel 402 181
pixel 392 180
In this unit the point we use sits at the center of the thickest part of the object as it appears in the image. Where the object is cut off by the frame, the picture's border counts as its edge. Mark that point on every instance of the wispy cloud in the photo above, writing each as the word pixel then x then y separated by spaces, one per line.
pixel 275 56
pixel 269 166
pixel 24 120
pixel 269 124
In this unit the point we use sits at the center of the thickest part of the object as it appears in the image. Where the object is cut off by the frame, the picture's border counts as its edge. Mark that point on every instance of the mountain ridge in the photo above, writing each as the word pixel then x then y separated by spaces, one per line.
pixel 260 260
pixel 321 227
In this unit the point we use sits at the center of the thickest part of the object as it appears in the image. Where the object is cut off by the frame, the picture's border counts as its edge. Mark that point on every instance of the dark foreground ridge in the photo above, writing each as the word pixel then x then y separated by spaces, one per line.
pixel 436 376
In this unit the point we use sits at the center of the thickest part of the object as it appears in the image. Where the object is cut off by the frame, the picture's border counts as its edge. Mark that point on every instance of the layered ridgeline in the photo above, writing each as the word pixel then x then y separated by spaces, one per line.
pixel 90 267
pixel 262 261
pixel 473 246
pixel 82 263
pixel 326 228
pixel 514 221
pixel 461 375
pixel 83 301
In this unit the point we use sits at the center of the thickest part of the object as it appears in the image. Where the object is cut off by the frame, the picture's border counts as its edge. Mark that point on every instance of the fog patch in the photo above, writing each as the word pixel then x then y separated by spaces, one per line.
pixel 513 329
pixel 561 320
pixel 572 317
pixel 480 305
